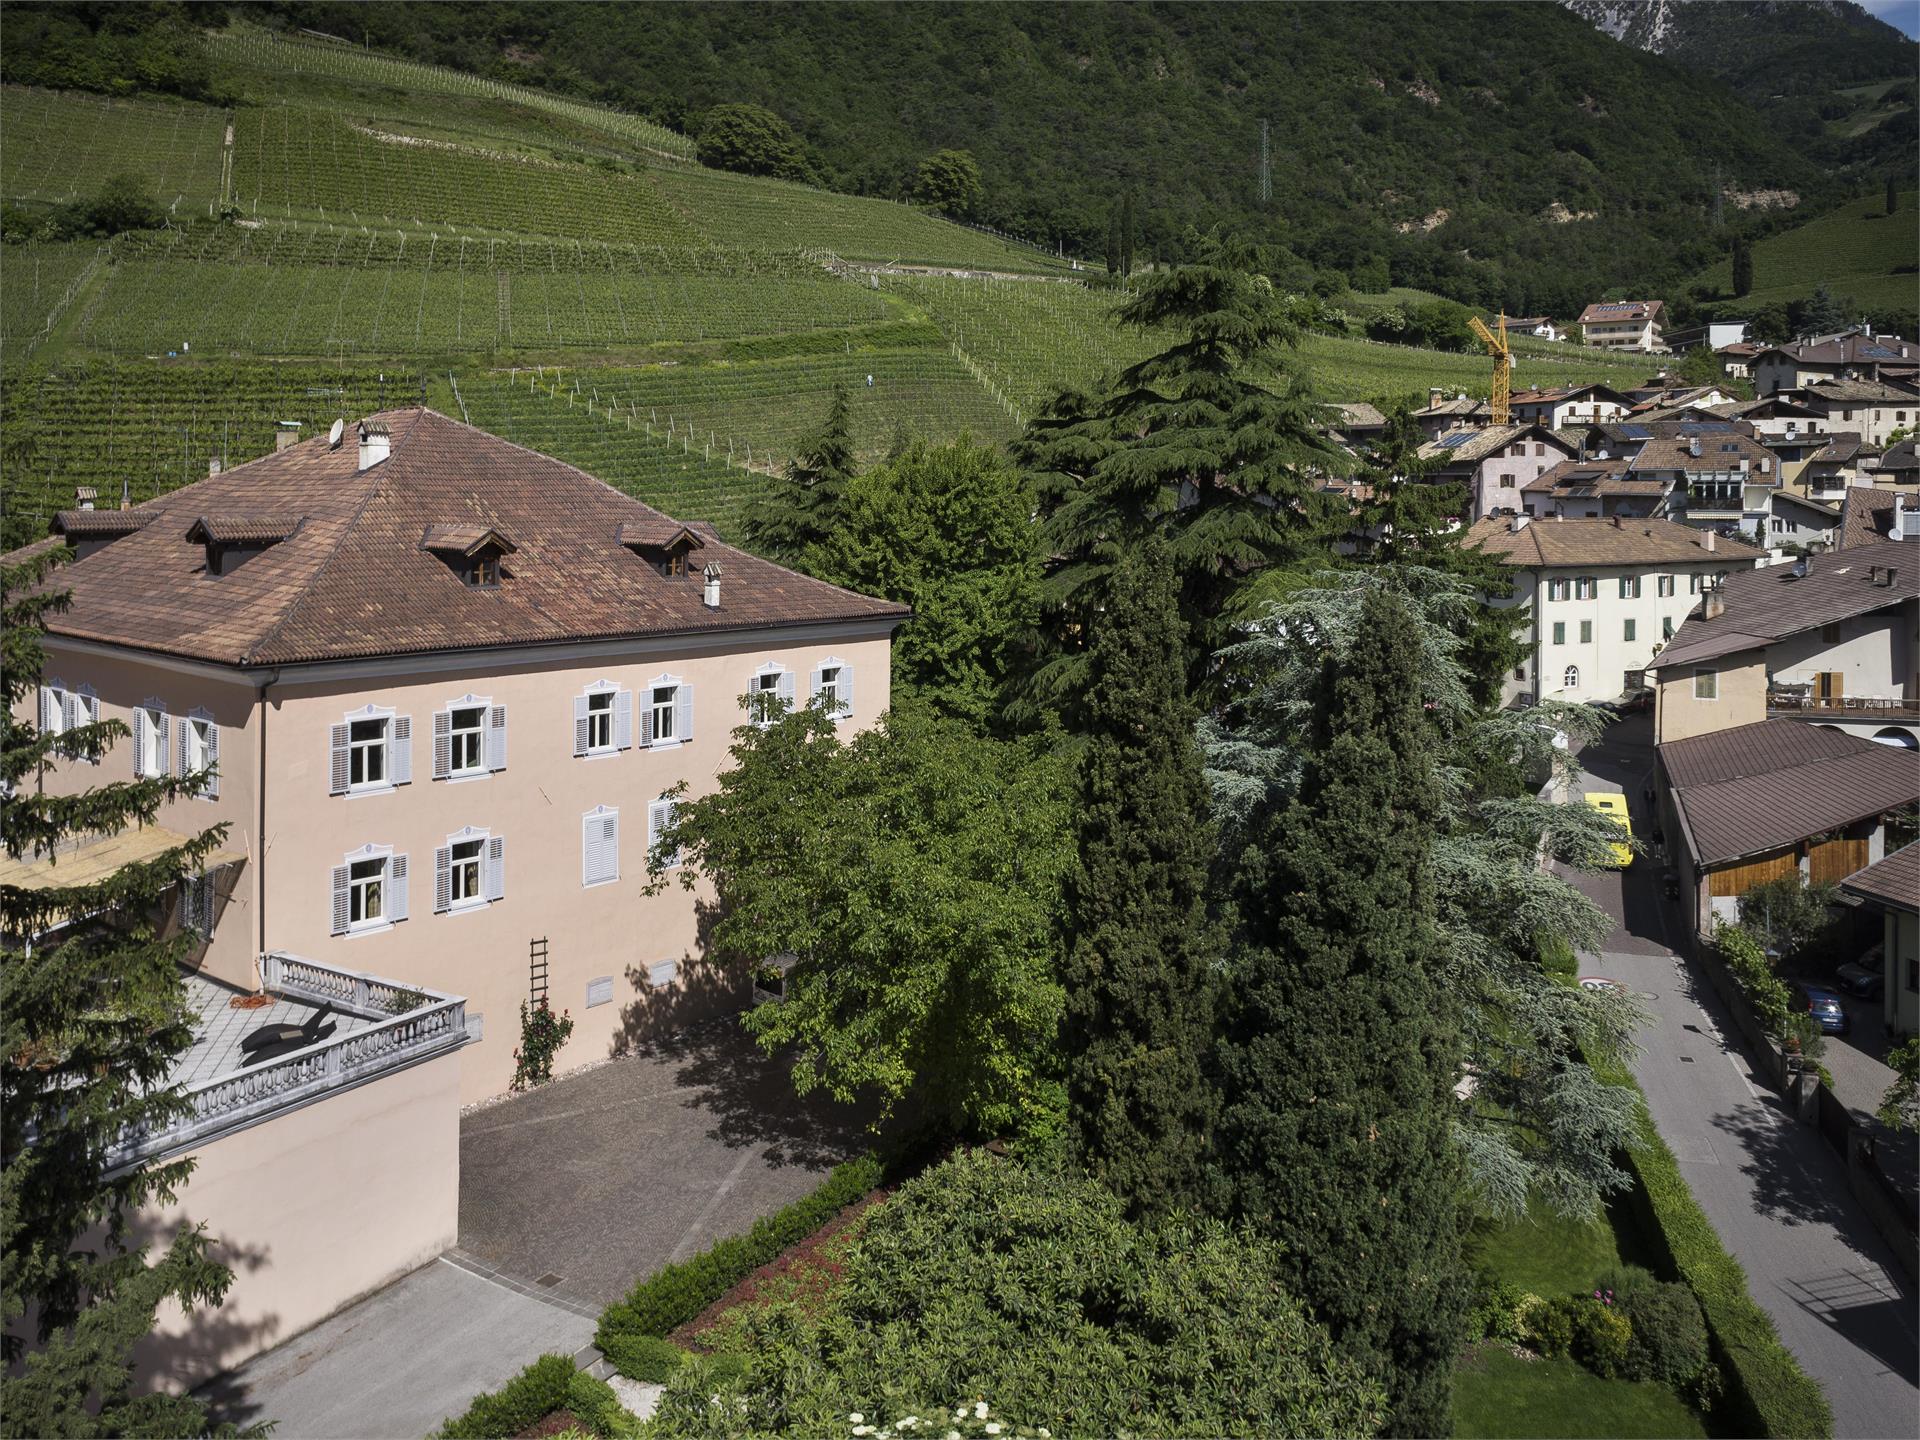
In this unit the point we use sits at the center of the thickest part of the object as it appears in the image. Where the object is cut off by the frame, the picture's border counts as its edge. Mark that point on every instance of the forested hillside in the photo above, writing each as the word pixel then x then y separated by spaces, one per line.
pixel 1494 153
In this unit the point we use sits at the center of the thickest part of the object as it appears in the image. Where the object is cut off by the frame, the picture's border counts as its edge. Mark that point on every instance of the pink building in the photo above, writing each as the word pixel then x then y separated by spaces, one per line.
pixel 447 683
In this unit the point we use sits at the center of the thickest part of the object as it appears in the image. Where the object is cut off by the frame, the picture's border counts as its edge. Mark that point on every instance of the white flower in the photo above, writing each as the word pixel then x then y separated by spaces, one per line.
pixel 1045 1433
pixel 953 1435
pixel 855 1418
pixel 979 1409
pixel 993 1427
pixel 863 1429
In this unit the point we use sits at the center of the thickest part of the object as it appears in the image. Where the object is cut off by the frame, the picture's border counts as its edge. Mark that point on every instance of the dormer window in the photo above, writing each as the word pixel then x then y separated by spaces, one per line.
pixel 665 544
pixel 473 552
pixel 232 540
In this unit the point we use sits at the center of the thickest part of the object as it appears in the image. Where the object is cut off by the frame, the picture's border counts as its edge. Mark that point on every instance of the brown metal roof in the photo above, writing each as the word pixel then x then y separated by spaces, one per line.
pixel 355 581
pixel 1893 882
pixel 1756 788
pixel 1771 603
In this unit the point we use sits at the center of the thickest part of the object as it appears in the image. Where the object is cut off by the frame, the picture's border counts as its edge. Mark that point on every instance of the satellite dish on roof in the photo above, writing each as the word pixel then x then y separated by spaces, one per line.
pixel 333 435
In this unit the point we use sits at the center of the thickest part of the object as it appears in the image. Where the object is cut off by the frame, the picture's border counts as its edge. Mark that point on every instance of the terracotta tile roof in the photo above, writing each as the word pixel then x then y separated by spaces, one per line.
pixel 1841 446
pixel 1901 460
pixel 243 529
pixel 98 524
pixel 1866 514
pixel 1854 392
pixel 1461 406
pixel 356 582
pixel 1846 350
pixel 1466 447
pixel 1754 788
pixel 1562 543
pixel 1771 603
pixel 1565 392
pixel 658 533
pixel 1621 312
pixel 1593 477
pixel 1893 882
pixel 1720 451
pixel 465 540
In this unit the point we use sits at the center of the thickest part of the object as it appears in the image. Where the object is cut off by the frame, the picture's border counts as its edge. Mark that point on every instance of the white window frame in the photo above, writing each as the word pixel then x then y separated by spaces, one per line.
pixel 1586 587
pixel 619 700
pixel 54 697
pixel 80 707
pixel 1570 678
pixel 652 709
pixel 593 830
pixel 842 700
pixel 1663 587
pixel 1558 588
pixel 489 739
pixel 151 731
pixel 466 874
pixel 490 877
pixel 200 750
pixel 1629 587
pixel 393 890
pixel 397 742
pixel 1712 691
pixel 782 689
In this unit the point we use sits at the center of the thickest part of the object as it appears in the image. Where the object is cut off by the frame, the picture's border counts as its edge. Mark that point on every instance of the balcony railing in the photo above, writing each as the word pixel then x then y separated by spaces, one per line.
pixel 1864 707
pixel 411 1024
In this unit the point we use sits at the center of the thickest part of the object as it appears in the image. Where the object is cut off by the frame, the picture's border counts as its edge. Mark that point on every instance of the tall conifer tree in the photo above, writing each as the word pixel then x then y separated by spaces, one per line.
pixel 808 502
pixel 93 1017
pixel 1138 975
pixel 1742 266
pixel 1339 1055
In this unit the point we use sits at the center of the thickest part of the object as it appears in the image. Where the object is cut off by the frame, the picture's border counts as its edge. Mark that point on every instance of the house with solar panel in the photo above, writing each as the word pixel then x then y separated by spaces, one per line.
pixel 1854 354
pixel 1496 462
pixel 1624 325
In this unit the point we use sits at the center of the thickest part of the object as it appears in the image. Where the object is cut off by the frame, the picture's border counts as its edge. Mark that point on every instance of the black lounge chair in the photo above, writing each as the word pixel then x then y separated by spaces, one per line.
pixel 270 1042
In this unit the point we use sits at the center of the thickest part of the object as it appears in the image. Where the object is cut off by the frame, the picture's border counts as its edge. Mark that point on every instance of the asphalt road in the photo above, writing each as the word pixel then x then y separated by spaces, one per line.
pixel 1773 1189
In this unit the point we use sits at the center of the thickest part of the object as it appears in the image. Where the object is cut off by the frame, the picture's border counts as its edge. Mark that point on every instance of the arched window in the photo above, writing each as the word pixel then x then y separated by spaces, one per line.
pixel 1571 679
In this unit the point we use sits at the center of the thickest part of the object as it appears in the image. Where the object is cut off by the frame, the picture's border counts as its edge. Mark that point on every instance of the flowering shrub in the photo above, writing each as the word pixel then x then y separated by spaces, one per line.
pixel 1602 1336
pixel 542 1033
pixel 968 1421
pixel 1497 1311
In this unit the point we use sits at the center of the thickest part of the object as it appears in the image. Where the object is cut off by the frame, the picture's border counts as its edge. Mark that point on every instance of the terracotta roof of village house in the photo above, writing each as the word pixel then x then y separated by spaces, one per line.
pixel 242 529
pixel 1771 603
pixel 1900 459
pixel 1562 392
pixel 1755 788
pixel 1593 477
pixel 1866 514
pixel 1856 392
pixel 1557 543
pixel 1893 882
pixel 1720 450
pixel 1619 312
pixel 1845 350
pixel 355 580
pixel 1465 406
pixel 1841 446
pixel 96 524
pixel 1462 447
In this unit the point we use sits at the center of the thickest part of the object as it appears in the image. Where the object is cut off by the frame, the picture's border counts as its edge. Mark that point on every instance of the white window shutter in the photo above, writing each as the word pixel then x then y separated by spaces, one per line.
pixel 846 690
pixel 183 907
pixel 610 845
pixel 442 743
pixel 442 879
pixel 397 888
pixel 653 826
pixel 340 899
pixel 623 720
pixel 786 688
pixel 164 721
pixel 683 716
pixel 497 738
pixel 48 704
pixel 140 742
pixel 337 771
pixel 646 717
pixel 579 724
pixel 212 791
pixel 184 762
pixel 813 684
pixel 589 848
pixel 400 750
pixel 496 867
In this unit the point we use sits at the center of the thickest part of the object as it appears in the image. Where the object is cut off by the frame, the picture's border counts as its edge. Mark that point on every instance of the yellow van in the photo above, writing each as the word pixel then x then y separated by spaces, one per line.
pixel 1614 807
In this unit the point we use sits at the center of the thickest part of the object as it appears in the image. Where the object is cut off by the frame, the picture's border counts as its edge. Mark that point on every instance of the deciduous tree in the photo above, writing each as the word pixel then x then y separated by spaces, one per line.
pixel 949 180
pixel 1139 974
pixel 751 140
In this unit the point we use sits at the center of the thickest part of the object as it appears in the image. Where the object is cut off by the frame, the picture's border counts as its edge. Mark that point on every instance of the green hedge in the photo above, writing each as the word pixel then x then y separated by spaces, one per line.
pixel 680 1292
pixel 1767 1393
pixel 548 1384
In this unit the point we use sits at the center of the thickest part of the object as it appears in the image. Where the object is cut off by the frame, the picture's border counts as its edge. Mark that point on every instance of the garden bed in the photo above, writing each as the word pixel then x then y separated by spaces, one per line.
pixel 804 1272
pixel 1499 1392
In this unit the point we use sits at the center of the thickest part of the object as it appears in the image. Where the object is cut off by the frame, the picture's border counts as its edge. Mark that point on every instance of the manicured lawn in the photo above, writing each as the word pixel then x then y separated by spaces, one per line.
pixel 1546 1253
pixel 1497 1395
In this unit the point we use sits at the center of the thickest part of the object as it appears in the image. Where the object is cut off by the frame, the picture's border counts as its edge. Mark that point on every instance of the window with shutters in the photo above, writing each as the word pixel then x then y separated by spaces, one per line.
pixel 1666 627
pixel 1627 629
pixel 372 752
pixel 466 740
pixel 464 886
pixel 469 739
pixel 1629 587
pixel 600 846
pixel 769 694
pixel 1557 589
pixel 1664 586
pixel 833 687
pixel 659 821
pixel 668 717
pixel 1706 685
pixel 200 752
pixel 82 708
pixel 367 754
pixel 1585 587
pixel 602 719
pixel 54 717
pixel 366 893
pixel 468 871
pixel 150 727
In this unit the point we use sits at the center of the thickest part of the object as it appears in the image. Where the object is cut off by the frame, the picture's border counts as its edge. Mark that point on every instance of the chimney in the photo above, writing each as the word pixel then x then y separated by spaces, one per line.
pixel 1693 445
pixel 376 443
pixel 710 592
pixel 1559 514
pixel 1711 541
pixel 84 496
pixel 1716 604
pixel 1434 396
pixel 1519 522
pixel 213 466
pixel 286 433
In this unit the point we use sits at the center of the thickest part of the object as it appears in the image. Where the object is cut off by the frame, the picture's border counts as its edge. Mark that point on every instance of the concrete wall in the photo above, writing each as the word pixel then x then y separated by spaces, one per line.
pixel 124 683
pixel 648 951
pixel 1741 698
pixel 312 1209
pixel 1901 957
pixel 1873 651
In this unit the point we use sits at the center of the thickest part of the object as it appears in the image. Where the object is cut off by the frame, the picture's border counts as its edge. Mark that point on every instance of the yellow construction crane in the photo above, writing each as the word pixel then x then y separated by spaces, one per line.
pixel 1502 364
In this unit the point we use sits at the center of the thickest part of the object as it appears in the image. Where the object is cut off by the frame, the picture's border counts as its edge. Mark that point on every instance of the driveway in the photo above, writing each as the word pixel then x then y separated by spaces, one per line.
pixel 1774 1191
pixel 567 1196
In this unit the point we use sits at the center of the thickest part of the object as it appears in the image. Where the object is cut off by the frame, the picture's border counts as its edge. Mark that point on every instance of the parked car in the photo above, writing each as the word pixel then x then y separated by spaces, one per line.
pixel 1826 1009
pixel 1862 977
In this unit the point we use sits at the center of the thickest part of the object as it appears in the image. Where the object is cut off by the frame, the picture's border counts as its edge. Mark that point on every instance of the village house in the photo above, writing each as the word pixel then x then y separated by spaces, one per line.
pixel 1868 408
pixel 1857 354
pixel 1833 639
pixel 1869 515
pixel 1801 521
pixel 1779 417
pixel 1717 335
pixel 1624 324
pixel 1736 361
pixel 1541 327
pixel 1898 467
pixel 1496 463
pixel 1720 479
pixel 448 684
pixel 1771 799
pixel 1602 597
pixel 1443 415
pixel 1568 405
pixel 1829 471
pixel 1593 490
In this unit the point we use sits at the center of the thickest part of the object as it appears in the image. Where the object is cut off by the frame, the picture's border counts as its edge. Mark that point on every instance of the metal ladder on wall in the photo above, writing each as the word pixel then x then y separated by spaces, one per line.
pixel 537 970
